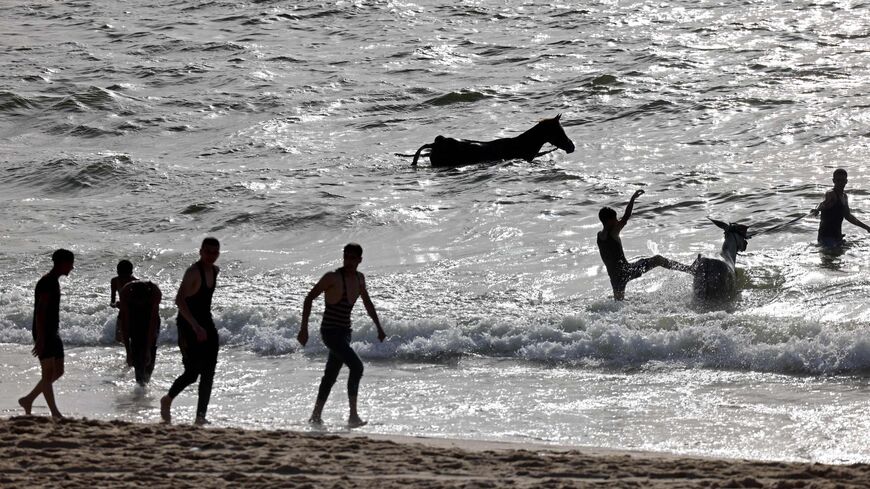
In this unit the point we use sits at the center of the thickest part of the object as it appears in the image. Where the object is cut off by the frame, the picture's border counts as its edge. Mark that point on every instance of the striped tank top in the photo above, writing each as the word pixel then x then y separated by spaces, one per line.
pixel 337 316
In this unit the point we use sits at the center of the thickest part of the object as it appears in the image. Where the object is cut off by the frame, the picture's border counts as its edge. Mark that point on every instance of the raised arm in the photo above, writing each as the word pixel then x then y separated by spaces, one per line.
pixel 370 307
pixel 325 282
pixel 628 209
pixel 190 285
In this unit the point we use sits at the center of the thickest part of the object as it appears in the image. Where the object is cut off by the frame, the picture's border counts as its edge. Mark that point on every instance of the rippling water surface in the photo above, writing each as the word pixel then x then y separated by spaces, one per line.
pixel 133 129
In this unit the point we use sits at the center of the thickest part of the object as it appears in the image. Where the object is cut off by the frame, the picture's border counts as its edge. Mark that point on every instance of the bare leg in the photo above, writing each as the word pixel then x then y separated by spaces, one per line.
pixel 317 413
pixel 354 420
pixel 52 369
pixel 26 402
pixel 661 261
pixel 166 408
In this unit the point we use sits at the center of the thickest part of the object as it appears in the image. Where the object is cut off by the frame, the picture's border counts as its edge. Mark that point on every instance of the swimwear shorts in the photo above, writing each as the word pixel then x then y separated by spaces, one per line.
pixel 53 348
pixel 831 242
pixel 629 272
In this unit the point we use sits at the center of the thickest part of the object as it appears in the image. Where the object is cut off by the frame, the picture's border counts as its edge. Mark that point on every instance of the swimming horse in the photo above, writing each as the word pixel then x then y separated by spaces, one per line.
pixel 716 279
pixel 445 152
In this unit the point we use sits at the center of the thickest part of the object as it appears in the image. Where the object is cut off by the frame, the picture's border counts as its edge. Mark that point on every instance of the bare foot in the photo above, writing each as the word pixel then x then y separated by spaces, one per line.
pixel 165 405
pixel 355 422
pixel 26 404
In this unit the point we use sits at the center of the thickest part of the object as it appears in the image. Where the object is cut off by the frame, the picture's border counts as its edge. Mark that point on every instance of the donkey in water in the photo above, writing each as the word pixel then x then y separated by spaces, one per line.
pixel 715 279
pixel 444 152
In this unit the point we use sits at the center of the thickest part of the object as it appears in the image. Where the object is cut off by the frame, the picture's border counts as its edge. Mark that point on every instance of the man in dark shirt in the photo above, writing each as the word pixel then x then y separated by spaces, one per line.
pixel 197 333
pixel 610 247
pixel 46 326
pixel 834 209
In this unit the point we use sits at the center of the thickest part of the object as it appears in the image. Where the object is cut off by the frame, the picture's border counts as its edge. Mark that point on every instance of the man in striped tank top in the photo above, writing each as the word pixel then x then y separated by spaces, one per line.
pixel 341 289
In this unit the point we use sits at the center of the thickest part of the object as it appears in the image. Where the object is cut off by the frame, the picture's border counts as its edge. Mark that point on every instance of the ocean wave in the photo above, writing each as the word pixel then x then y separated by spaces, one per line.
pixel 11 102
pixel 601 337
pixel 75 174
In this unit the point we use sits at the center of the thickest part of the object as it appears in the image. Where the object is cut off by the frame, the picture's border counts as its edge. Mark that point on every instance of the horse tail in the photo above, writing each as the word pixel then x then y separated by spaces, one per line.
pixel 417 154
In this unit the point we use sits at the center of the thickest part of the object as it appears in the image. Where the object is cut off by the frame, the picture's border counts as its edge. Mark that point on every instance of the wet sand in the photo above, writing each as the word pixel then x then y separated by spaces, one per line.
pixel 37 452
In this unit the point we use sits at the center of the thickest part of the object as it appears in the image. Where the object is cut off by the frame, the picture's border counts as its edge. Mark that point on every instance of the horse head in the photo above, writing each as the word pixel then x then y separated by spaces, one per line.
pixel 555 135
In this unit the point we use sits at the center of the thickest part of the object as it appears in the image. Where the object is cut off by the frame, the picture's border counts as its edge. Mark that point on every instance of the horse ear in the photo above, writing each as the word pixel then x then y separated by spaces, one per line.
pixel 558 116
pixel 720 224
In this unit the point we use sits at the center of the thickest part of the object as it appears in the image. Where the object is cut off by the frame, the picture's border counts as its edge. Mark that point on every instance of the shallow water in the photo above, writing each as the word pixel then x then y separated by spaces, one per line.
pixel 659 407
pixel 132 131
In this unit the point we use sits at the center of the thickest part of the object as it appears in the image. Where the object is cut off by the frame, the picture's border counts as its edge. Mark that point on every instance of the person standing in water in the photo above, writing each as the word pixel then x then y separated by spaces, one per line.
pixel 125 276
pixel 197 333
pixel 341 289
pixel 834 209
pixel 140 314
pixel 619 269
pixel 46 332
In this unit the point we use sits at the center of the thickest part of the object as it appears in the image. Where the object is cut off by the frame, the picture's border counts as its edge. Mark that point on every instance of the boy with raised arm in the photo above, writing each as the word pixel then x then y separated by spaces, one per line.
pixel 834 209
pixel 46 332
pixel 620 270
pixel 341 289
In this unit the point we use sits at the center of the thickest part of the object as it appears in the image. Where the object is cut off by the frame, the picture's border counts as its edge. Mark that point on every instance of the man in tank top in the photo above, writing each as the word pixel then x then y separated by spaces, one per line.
pixel 341 289
pixel 620 270
pixel 197 333
pixel 834 209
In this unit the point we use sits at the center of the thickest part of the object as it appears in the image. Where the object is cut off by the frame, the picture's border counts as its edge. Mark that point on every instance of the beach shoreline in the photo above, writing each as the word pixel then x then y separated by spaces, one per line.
pixel 36 451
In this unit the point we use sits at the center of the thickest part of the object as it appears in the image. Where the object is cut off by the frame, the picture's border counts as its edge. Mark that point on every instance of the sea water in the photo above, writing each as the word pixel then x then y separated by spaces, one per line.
pixel 132 130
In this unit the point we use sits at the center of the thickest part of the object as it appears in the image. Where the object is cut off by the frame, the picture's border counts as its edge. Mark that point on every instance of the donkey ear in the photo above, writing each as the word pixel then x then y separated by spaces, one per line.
pixel 718 223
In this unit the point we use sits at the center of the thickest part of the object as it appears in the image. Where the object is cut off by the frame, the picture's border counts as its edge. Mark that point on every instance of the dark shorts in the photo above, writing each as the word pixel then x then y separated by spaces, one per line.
pixel 831 242
pixel 53 348
pixel 620 277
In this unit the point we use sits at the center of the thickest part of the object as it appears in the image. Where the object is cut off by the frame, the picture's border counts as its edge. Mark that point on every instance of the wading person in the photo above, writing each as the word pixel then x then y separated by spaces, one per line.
pixel 834 209
pixel 619 269
pixel 197 334
pixel 341 289
pixel 125 276
pixel 46 332
pixel 140 315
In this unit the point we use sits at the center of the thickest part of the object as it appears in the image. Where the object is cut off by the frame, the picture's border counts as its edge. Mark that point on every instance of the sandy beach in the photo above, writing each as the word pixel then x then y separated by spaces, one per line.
pixel 37 452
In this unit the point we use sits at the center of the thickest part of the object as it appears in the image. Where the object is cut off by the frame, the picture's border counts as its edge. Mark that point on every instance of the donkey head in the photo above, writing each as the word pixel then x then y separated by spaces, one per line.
pixel 736 236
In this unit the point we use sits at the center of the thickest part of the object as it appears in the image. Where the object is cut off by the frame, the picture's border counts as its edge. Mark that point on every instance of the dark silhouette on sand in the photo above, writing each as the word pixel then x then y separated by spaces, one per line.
pixel 197 333
pixel 341 289
pixel 46 332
